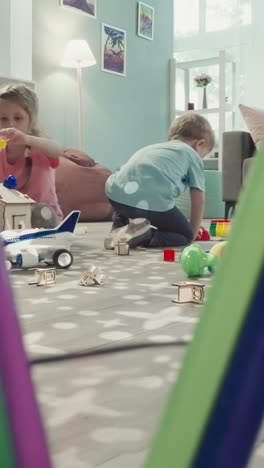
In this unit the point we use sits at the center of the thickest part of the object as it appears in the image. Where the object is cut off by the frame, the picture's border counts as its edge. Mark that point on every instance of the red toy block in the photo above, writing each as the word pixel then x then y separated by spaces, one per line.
pixel 169 255
pixel 203 235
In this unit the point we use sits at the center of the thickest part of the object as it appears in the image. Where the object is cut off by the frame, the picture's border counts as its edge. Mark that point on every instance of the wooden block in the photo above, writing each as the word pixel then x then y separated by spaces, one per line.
pixel 189 292
pixel 122 248
pixel 92 277
pixel 44 276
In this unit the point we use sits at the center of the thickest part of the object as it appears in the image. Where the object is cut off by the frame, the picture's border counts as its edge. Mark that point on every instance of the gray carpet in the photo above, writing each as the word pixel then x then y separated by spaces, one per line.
pixel 103 411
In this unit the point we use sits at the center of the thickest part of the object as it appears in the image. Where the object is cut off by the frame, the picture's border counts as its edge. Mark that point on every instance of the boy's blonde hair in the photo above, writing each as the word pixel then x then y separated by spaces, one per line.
pixel 191 126
pixel 26 98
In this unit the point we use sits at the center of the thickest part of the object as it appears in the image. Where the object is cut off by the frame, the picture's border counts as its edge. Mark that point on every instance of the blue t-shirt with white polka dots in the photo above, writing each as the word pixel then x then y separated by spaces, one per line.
pixel 155 175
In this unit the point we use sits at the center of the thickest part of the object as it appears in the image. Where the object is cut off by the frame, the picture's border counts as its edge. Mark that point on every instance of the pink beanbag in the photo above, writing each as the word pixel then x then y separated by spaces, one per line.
pixel 80 185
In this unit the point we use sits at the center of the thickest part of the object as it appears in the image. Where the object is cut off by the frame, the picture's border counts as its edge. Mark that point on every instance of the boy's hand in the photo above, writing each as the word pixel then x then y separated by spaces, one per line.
pixel 197 208
pixel 203 235
pixel 13 136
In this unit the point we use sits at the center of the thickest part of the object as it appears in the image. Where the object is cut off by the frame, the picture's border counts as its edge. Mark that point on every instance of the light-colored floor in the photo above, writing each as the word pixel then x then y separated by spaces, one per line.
pixel 103 412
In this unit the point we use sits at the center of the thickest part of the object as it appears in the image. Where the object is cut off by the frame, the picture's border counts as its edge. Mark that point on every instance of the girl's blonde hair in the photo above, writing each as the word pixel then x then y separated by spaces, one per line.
pixel 26 98
pixel 191 126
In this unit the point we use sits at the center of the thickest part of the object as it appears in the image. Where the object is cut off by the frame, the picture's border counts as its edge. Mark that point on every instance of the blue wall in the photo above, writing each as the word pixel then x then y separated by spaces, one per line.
pixel 121 114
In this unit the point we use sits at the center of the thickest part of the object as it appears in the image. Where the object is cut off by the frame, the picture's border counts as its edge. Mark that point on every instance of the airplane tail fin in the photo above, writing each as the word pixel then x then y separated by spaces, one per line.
pixel 68 224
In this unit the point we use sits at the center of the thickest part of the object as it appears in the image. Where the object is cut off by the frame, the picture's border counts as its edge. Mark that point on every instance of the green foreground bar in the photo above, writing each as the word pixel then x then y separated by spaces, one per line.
pixel 207 358
pixel 7 456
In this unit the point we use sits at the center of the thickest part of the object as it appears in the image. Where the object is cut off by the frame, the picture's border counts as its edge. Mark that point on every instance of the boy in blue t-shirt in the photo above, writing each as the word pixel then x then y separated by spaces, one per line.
pixel 144 190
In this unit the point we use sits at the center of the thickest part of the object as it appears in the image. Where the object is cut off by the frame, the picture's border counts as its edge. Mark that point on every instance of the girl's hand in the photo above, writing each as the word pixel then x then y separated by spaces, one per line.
pixel 79 157
pixel 13 136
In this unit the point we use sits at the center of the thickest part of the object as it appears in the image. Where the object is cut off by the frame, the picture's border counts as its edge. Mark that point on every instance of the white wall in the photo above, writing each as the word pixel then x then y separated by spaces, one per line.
pixel 4 37
pixel 254 63
pixel 21 39
pixel 16 39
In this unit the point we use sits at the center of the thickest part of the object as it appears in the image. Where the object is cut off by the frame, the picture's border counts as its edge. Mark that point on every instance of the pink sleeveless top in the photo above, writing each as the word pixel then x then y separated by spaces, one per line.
pixel 41 186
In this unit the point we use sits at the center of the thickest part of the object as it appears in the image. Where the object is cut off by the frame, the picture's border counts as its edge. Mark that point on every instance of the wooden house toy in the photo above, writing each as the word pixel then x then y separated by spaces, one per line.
pixel 15 209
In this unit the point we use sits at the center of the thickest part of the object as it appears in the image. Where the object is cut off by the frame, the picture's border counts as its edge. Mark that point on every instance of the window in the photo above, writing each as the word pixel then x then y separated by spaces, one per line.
pixel 198 16
pixel 186 17
pixel 220 15
pixel 225 14
pixel 245 13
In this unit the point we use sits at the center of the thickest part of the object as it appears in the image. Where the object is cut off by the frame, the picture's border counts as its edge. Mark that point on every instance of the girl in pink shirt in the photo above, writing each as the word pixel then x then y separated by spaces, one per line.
pixel 29 156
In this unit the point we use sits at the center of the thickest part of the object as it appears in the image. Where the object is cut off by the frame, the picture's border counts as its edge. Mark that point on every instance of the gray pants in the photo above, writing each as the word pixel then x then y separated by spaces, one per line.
pixel 173 229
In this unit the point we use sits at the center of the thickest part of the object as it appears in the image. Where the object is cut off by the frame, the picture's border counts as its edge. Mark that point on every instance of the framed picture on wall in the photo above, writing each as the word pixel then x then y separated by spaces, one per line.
pixel 145 21
pixel 113 54
pixel 85 7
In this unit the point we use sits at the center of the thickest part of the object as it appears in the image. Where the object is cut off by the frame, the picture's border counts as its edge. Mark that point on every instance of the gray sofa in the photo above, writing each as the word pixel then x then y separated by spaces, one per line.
pixel 238 149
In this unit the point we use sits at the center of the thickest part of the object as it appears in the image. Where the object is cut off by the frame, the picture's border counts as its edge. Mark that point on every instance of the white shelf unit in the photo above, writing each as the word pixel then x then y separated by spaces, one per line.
pixel 221 60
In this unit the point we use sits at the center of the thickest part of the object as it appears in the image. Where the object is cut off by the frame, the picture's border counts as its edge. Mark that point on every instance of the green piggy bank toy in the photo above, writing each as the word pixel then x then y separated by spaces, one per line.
pixel 194 260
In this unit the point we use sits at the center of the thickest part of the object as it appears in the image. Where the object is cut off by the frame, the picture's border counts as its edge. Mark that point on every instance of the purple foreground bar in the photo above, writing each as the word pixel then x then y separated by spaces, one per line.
pixel 27 430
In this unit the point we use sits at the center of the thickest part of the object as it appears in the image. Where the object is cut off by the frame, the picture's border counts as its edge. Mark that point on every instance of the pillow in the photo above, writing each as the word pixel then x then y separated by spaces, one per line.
pixel 83 188
pixel 254 119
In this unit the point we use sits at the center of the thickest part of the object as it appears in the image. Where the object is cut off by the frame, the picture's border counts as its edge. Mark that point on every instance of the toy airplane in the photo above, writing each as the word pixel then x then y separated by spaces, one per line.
pixel 30 247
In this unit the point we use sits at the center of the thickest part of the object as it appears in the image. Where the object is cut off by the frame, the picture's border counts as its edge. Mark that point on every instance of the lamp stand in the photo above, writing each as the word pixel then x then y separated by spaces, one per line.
pixel 80 107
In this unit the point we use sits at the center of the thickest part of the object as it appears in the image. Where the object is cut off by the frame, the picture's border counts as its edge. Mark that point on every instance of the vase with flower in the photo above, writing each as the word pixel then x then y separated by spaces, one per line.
pixel 202 81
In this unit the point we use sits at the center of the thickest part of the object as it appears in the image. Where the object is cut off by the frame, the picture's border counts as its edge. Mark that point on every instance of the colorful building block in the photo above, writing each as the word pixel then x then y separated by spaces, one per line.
pixel 169 255
pixel 220 227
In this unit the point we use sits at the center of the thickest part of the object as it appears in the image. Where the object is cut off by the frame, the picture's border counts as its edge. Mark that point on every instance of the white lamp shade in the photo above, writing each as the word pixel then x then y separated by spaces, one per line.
pixel 77 54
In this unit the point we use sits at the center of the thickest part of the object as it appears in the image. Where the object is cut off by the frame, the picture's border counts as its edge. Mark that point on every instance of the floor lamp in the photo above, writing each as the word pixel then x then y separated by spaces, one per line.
pixel 78 55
